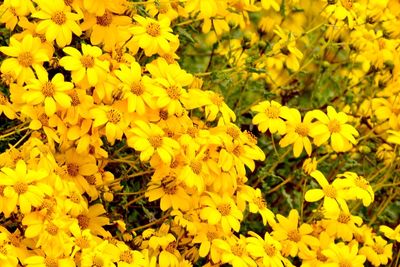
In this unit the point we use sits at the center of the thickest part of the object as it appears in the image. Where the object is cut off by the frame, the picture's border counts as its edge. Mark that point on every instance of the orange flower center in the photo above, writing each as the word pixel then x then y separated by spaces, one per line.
pixel 83 221
pixel 170 190
pixel 25 59
pixel 82 242
pixel 270 250
pixel 260 202
pixel 272 112
pixel 48 89
pixel 174 92
pixel 20 187
pixel 73 169
pixel 91 179
pixel 87 61
pixel 153 29
pixel 137 88
pixel 362 183
pixel 217 99
pixel 212 235
pixel 378 249
pixel 114 116
pixel 74 197
pixel 74 98
pixel 105 20
pixel 238 250
pixel 126 256
pixel 302 129
pixel 156 141
pixel 320 256
pixel 330 191
pixel 343 218
pixel 3 99
pixel 50 262
pixel 224 209
pixel 59 18
pixel 334 126
pixel 169 58
pixel 347 3
pixel 238 150
pixel 294 235
pixel 52 229
pixel 196 166
pixel 233 132
pixel 345 263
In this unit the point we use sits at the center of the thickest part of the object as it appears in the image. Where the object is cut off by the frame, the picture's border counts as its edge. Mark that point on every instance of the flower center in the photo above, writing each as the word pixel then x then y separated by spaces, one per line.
pixel 74 197
pixel 362 183
pixel 169 58
pixel 270 250
pixel 114 116
pixel 170 190
pixel 156 141
pixel 320 256
pixel 137 88
pixel 87 61
pixel 59 18
pixel 74 98
pixel 343 218
pixel 174 92
pixel 20 187
pixel 334 126
pixel 73 169
pixel 126 256
pixel 211 235
pixel 272 112
pixel 294 235
pixel 3 99
pixel 347 3
pixel 48 89
pixel 196 166
pixel 52 229
pixel 105 20
pixel 91 179
pixel 330 191
pixel 238 150
pixel 238 250
pixel 378 249
pixel 217 99
pixel 44 120
pixel 224 209
pixel 163 114
pixel 260 202
pixel 50 262
pixel 233 132
pixel 345 263
pixel 82 242
pixel 153 29
pixel 302 129
pixel 25 59
pixel 83 221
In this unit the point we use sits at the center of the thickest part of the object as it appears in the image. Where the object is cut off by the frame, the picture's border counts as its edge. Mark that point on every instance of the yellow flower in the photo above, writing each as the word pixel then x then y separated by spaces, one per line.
pixel 50 93
pixel 170 193
pixel 377 251
pixel 267 4
pixel 26 55
pixel 108 29
pixel 310 165
pixel 344 255
pixel 137 88
pixel 360 188
pixel 222 210
pixel 286 50
pixel 154 36
pixel 297 131
pixel 23 187
pixel 85 65
pixel 394 137
pixel 148 138
pixel 333 125
pixel 298 238
pixel 332 193
pixel 159 238
pixel 113 117
pixel 390 233
pixel 267 248
pixel 341 223
pixel 11 11
pixel 234 251
pixel 341 10
pixel 92 220
pixel 215 104
pixel 257 204
pixel 57 22
pixel 6 107
pixel 268 117
pixel 205 235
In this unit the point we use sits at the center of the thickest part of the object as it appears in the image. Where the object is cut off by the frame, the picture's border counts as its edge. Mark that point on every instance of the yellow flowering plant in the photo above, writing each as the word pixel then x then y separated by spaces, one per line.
pixel 199 133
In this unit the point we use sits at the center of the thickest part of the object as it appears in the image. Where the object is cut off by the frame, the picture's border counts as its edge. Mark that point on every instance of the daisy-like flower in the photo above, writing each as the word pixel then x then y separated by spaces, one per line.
pixel 234 251
pixel 136 88
pixel 26 56
pixel 11 11
pixel 6 107
pixel 92 220
pixel 257 204
pixel 113 117
pixel 85 65
pixel 297 238
pixel 377 251
pixel 332 193
pixel 267 248
pixel 297 131
pixel 286 49
pixel 268 117
pixel 360 188
pixel 50 93
pixel 344 255
pixel 393 234
pixel 23 188
pixel 333 125
pixel 108 29
pixel 154 36
pixel 222 210
pixel 148 138
pixel 341 10
pixel 57 21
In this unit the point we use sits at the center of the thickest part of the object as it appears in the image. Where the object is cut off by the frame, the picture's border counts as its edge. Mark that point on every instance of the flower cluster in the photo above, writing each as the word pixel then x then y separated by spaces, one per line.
pixel 106 111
